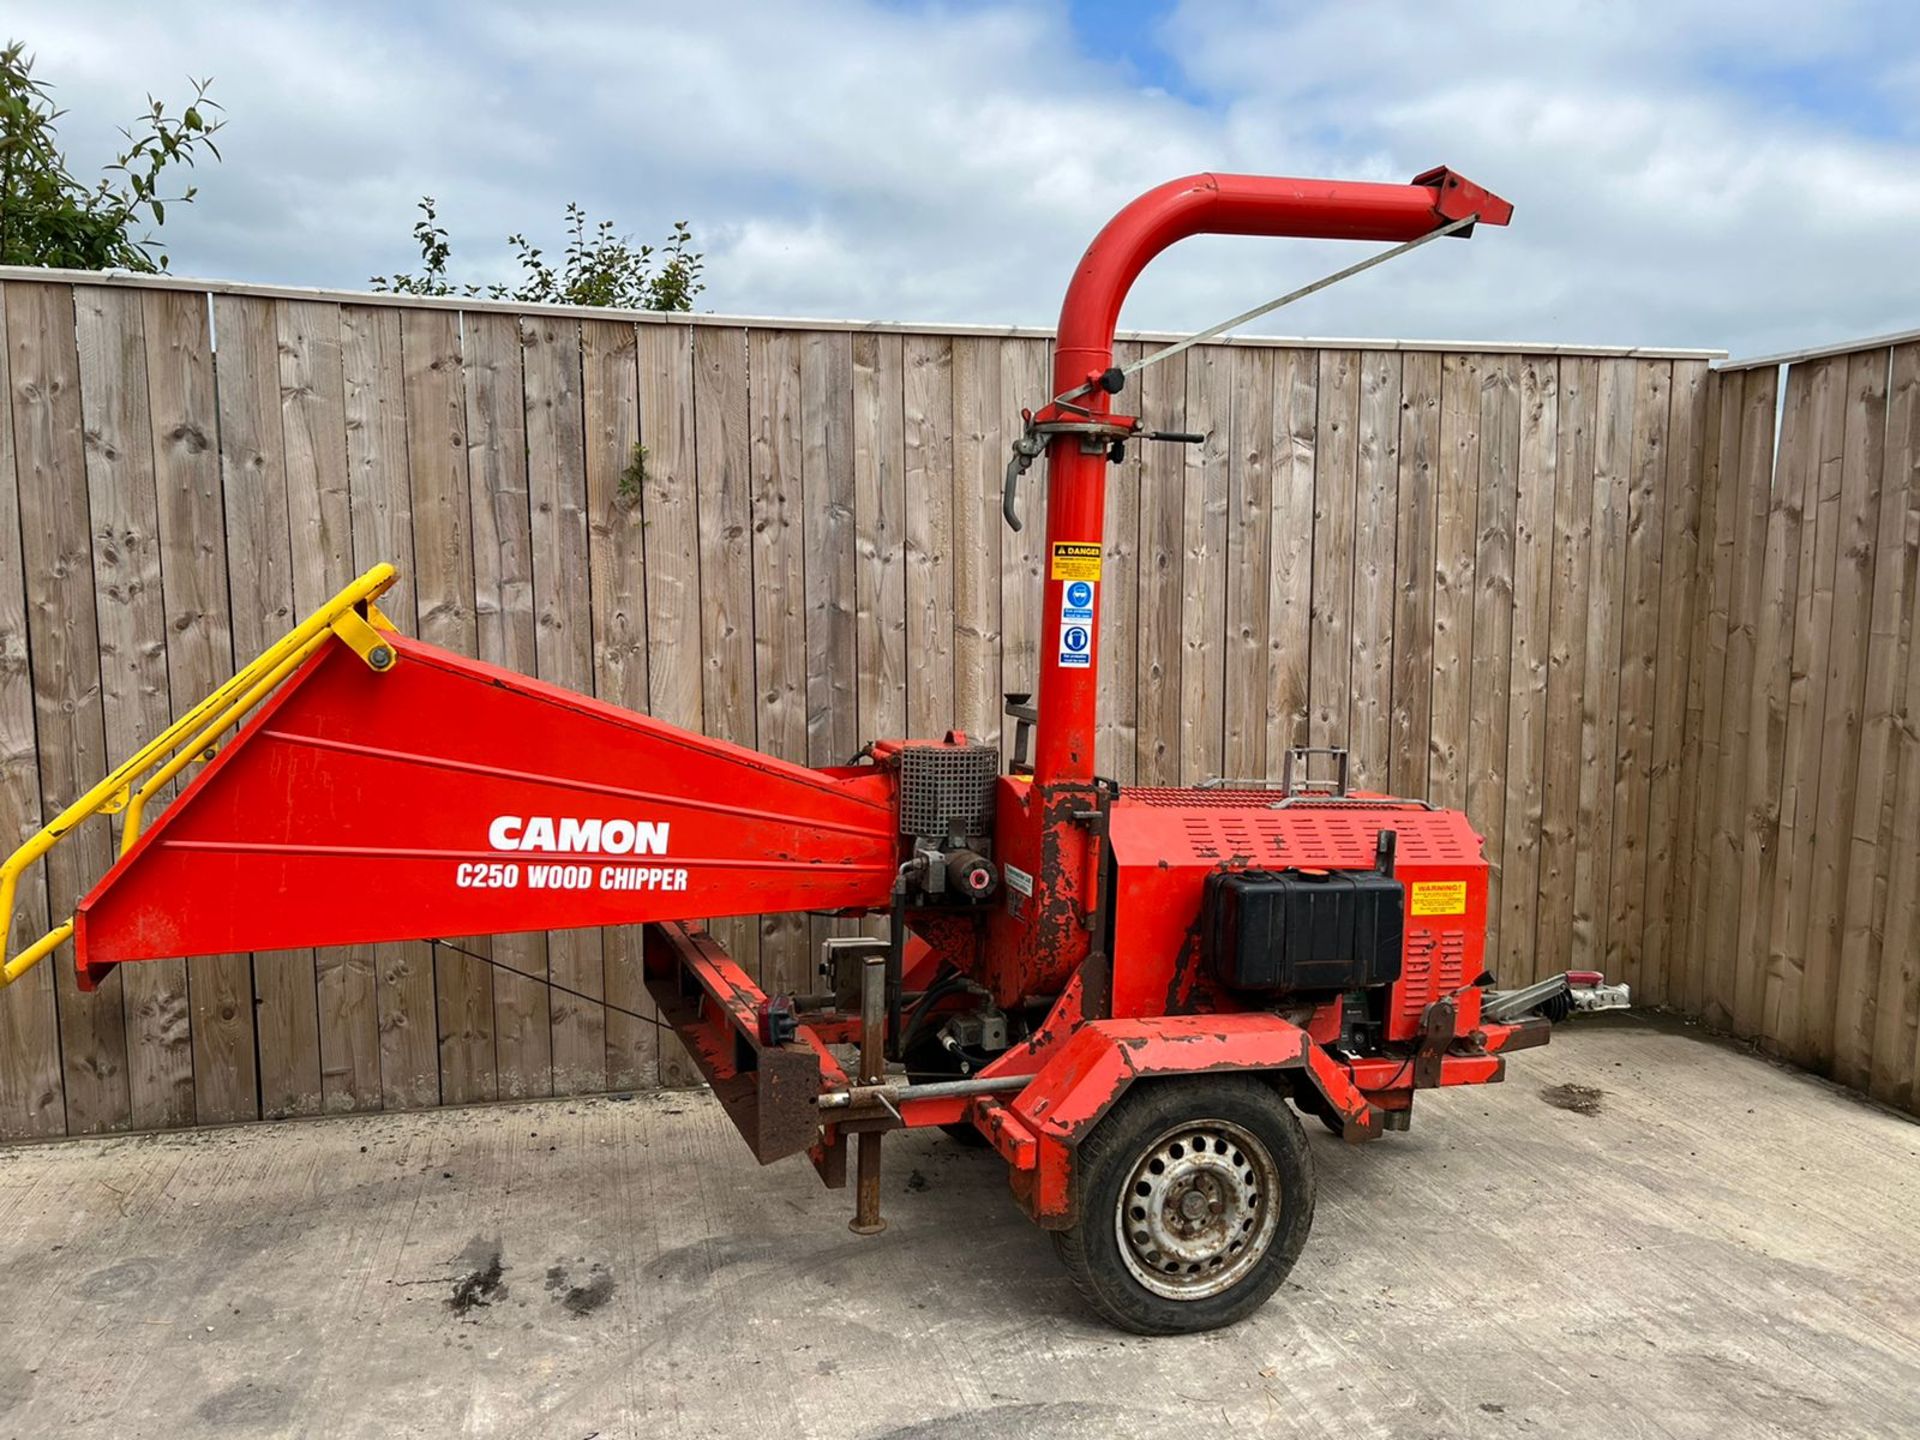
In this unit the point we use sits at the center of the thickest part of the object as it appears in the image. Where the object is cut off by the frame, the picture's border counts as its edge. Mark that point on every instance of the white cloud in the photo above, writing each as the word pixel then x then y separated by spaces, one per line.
pixel 1684 173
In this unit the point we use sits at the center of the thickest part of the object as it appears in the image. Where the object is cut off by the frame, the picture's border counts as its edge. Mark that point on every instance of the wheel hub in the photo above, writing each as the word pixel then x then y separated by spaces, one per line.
pixel 1199 1210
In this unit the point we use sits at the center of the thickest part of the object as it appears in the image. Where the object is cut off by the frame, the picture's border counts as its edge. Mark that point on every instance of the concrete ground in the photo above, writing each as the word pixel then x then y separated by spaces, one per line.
pixel 1641 1234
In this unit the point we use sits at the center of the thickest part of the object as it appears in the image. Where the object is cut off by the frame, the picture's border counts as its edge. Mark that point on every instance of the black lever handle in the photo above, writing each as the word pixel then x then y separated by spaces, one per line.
pixel 1176 437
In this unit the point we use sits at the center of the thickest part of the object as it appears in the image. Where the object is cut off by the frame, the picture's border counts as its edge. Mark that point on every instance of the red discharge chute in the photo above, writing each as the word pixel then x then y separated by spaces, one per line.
pixel 448 797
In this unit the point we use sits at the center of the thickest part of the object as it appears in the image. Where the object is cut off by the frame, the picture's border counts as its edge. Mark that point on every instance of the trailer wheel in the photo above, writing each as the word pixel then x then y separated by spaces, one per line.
pixel 1196 1197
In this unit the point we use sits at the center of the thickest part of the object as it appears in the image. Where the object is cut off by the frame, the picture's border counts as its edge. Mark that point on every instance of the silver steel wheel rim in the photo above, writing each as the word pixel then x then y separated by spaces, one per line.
pixel 1199 1210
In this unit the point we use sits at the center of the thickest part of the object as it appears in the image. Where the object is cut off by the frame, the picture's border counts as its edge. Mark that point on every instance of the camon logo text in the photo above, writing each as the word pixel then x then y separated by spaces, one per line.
pixel 568 836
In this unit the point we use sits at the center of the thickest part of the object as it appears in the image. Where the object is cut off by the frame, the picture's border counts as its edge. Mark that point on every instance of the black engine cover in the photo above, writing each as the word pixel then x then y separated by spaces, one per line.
pixel 1299 930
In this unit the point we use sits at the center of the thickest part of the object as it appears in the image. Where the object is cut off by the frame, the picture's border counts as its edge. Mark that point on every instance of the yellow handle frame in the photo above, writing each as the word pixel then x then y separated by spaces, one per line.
pixel 351 615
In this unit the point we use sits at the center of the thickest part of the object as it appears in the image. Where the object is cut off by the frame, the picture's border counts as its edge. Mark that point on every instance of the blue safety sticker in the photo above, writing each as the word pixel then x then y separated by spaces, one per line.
pixel 1076 646
pixel 1076 603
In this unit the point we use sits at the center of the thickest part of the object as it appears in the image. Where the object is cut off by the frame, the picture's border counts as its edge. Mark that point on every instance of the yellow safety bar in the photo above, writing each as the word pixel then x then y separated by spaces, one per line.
pixel 351 615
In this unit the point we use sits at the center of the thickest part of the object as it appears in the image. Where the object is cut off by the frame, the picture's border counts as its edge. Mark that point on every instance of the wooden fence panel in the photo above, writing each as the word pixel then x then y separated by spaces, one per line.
pixel 1637 666
pixel 1672 681
pixel 131 614
pixel 928 468
pixel 63 642
pixel 1488 699
pixel 32 1095
pixel 1415 534
pixel 505 631
pixel 780 505
pixel 563 648
pixel 1116 748
pixel 1376 529
pixel 1249 566
pixel 1203 565
pixel 1883 929
pixel 1161 577
pixel 1513 952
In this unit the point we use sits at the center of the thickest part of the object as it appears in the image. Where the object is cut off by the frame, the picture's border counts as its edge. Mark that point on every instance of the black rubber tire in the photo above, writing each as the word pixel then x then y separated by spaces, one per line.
pixel 1105 1164
pixel 1307 1096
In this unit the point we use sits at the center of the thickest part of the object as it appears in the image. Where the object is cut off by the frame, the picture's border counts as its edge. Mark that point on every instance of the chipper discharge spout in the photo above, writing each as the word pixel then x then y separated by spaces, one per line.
pixel 1128 995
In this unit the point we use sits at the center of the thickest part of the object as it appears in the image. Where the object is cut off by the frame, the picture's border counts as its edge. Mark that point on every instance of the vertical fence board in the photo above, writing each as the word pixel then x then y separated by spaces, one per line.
pixel 1492 653
pixel 1335 473
pixel 1883 934
pixel 260 576
pixel 1524 800
pixel 1669 816
pixel 928 468
pixel 1296 442
pixel 1775 486
pixel 1248 569
pixel 1600 686
pixel 32 1096
pixel 563 647
pixel 373 365
pixel 504 635
pixel 1375 554
pixel 780 599
pixel 1203 564
pixel 1793 495
pixel 1023 379
pixel 1720 505
pixel 1854 521
pixel 1571 565
pixel 670 539
pixel 1116 746
pixel 880 588
pixel 617 462
pixel 131 615
pixel 57 561
pixel 313 426
pixel 433 381
pixel 1411 726
pixel 723 456
pixel 1456 534
pixel 1640 622
pixel 1806 703
pixel 979 458
pixel 1162 538
pixel 193 574
pixel 830 545
pixel 313 432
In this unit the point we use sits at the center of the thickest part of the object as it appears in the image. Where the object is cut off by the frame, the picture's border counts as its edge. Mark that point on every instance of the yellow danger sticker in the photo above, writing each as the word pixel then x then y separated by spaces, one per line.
pixel 1075 560
pixel 1440 897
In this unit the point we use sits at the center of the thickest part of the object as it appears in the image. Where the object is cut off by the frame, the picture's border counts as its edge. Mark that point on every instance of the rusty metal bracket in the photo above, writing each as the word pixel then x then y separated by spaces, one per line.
pixel 770 1092
pixel 1438 1026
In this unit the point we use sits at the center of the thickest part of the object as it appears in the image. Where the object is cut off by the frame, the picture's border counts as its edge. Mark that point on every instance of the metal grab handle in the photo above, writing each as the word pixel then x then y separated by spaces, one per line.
pixel 1025 451
pixel 190 738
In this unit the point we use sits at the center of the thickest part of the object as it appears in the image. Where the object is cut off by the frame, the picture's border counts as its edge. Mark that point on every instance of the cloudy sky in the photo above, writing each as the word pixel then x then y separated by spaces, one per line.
pixel 1740 175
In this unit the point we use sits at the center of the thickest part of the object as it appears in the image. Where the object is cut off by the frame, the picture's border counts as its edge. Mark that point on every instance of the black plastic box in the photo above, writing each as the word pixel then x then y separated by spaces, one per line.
pixel 1295 930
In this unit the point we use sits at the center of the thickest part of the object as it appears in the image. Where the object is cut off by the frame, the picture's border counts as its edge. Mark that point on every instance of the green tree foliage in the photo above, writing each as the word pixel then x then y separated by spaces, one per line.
pixel 48 216
pixel 598 267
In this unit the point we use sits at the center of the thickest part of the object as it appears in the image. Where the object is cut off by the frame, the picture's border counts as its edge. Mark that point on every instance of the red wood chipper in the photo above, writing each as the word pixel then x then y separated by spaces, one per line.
pixel 1127 994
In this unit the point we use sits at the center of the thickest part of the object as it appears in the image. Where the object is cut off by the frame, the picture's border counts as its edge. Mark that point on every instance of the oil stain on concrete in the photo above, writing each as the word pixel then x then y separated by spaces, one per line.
pixel 582 1299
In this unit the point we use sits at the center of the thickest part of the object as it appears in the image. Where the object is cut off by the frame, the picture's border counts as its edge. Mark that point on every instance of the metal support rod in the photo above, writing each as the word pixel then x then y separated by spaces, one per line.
pixel 873 1039
pixel 931 1090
